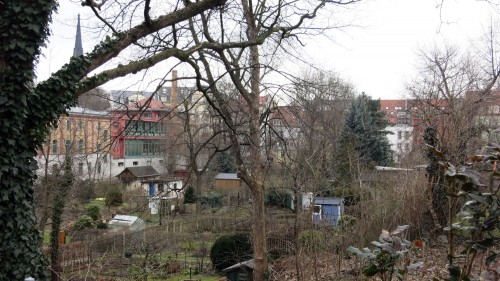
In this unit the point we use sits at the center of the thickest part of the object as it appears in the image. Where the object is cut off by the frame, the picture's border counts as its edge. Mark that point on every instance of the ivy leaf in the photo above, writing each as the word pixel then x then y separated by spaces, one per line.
pixel 30 50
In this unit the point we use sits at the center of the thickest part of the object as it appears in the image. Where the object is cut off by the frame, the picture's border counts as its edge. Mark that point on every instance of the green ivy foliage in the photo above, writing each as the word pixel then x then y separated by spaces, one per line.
pixel 24 26
pixel 26 114
pixel 59 203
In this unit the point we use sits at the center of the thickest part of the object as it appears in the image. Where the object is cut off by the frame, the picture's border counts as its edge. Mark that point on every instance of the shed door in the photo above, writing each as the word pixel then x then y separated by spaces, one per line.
pixel 316 216
pixel 151 189
pixel 331 214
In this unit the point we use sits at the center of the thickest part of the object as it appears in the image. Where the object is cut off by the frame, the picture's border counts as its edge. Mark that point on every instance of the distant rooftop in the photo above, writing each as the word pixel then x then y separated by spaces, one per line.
pixel 85 111
pixel 227 176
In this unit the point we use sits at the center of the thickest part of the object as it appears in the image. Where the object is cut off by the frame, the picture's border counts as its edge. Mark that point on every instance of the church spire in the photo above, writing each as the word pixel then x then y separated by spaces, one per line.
pixel 78 50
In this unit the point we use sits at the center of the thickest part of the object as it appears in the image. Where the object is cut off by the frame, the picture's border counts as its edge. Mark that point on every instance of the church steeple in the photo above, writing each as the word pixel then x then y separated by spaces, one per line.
pixel 78 50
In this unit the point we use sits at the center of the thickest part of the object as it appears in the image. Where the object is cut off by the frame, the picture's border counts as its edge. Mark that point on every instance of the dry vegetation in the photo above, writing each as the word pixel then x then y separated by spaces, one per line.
pixel 183 241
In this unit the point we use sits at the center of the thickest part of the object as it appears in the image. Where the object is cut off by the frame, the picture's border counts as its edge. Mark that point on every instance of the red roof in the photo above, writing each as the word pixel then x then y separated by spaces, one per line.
pixel 290 115
pixel 149 103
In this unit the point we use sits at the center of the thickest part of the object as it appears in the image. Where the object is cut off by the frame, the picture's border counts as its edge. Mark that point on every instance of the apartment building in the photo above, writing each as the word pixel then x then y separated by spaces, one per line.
pixel 85 137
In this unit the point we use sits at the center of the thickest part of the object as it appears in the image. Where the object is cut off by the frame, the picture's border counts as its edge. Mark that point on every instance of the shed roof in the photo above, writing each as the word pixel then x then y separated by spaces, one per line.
pixel 227 176
pixel 123 220
pixel 141 171
pixel 328 200
pixel 248 263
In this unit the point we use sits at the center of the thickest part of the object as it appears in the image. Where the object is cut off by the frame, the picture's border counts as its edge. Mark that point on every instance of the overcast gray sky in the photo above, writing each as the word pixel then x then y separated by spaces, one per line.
pixel 377 57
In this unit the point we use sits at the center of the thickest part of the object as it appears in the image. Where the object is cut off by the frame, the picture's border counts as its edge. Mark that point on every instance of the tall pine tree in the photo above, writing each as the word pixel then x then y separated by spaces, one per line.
pixel 364 132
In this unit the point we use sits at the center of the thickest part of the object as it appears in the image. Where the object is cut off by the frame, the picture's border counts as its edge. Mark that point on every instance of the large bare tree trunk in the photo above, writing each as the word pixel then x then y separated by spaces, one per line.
pixel 257 188
pixel 259 233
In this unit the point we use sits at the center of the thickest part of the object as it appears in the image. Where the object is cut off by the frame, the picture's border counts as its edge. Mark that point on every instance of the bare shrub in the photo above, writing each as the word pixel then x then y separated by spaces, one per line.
pixel 390 204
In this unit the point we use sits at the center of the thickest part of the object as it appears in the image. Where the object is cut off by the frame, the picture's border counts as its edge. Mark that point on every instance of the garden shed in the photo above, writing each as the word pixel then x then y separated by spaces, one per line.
pixel 125 222
pixel 229 184
pixel 241 271
pixel 145 177
pixel 328 210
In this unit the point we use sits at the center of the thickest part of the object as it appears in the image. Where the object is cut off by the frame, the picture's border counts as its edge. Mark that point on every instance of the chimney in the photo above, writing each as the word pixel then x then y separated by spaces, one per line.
pixel 173 91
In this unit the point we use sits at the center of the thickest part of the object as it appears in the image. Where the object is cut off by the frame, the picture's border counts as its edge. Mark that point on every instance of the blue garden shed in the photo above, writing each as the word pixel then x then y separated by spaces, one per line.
pixel 328 210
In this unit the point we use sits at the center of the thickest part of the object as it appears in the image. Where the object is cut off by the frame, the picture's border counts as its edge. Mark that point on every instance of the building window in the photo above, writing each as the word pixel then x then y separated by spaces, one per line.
pixel 98 167
pixel 161 161
pixel 399 146
pixel 120 164
pixel 89 167
pixel 80 168
pixel 68 125
pixel 80 125
pixel 495 109
pixel 67 146
pixel 147 114
pixel 81 145
pixel 142 147
pixel 135 163
pixel 98 126
pixel 54 146
pixel 407 134
pixel 105 159
pixel 98 147
pixel 407 147
pixel 400 135
pixel 105 134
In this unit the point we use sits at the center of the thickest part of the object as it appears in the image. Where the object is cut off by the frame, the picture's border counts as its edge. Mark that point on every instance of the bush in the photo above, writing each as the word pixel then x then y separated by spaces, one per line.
pixel 312 238
pixel 211 200
pixel 94 212
pixel 275 197
pixel 230 249
pixel 347 221
pixel 84 222
pixel 189 196
pixel 84 190
pixel 114 196
pixel 102 225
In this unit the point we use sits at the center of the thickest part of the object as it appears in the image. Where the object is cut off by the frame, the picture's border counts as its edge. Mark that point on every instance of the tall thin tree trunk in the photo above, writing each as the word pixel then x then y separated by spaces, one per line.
pixel 430 203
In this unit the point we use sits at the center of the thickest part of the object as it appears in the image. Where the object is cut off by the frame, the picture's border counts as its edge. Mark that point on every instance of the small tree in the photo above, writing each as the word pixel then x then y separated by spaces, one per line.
pixel 94 212
pixel 189 195
pixel 224 162
pixel 114 197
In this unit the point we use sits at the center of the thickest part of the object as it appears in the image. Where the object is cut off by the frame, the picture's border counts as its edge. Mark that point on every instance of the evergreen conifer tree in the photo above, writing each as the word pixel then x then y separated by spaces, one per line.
pixel 364 131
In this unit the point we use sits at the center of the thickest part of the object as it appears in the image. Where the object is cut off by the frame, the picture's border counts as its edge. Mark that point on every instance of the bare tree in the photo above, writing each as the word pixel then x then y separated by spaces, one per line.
pixel 265 25
pixel 448 94
pixel 96 99
pixel 305 135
